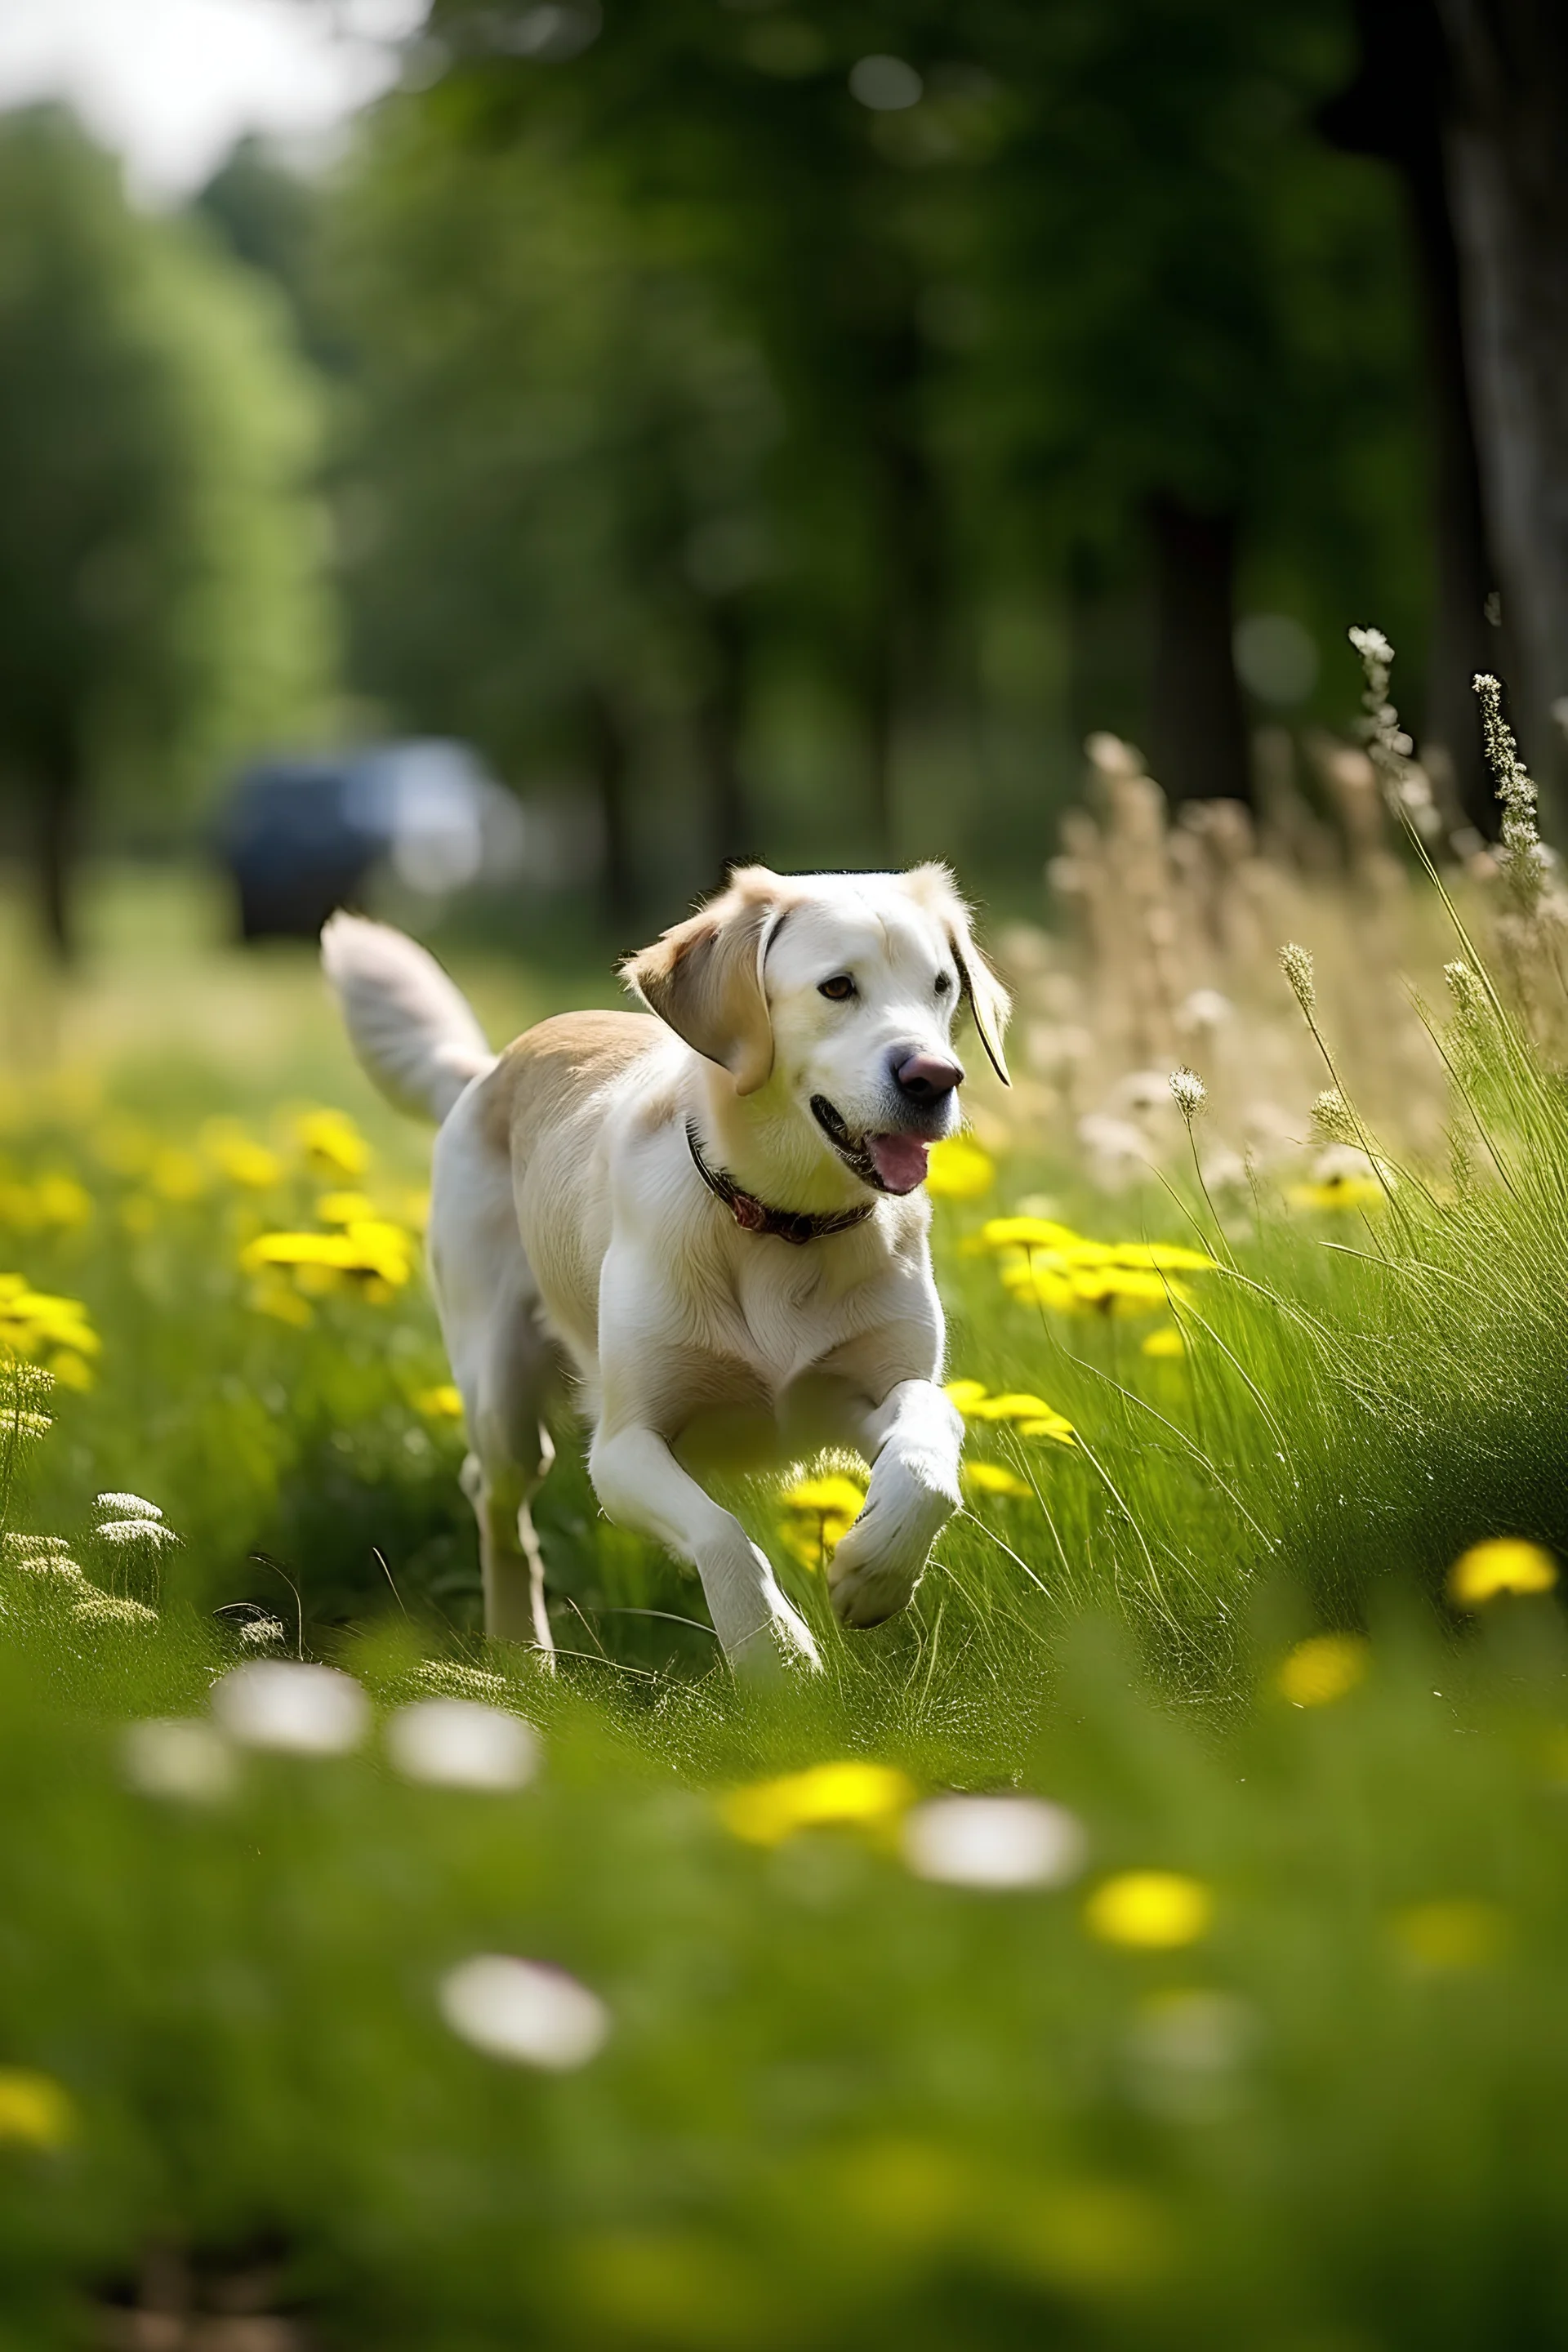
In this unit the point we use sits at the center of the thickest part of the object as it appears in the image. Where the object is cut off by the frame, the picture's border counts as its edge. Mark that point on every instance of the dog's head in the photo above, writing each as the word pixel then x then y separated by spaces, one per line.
pixel 835 992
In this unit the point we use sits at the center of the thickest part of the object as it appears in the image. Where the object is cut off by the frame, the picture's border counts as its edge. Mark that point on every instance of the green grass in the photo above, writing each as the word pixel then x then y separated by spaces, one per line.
pixel 838 2104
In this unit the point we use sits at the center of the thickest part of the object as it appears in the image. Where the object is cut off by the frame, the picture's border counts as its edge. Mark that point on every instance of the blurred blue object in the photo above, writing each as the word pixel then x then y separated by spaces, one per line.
pixel 305 833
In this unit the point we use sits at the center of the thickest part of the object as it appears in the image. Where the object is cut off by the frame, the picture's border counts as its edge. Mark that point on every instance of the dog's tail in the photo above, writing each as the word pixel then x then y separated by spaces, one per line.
pixel 413 1032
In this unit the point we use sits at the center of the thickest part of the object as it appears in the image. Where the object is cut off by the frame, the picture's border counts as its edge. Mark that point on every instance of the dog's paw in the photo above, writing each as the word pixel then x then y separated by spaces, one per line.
pixel 869 1581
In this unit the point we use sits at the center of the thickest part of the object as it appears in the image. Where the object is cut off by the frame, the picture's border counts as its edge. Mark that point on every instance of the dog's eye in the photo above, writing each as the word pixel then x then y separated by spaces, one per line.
pixel 837 989
pixel 943 983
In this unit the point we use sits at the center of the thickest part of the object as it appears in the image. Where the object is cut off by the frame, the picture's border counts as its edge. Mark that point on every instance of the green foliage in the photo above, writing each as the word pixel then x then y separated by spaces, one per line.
pixel 160 582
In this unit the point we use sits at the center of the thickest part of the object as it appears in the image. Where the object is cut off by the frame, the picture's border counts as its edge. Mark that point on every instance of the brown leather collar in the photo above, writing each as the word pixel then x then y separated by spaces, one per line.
pixel 755 1217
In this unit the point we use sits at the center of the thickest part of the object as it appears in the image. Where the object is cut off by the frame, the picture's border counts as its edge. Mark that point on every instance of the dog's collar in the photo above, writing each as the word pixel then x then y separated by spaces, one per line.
pixel 755 1217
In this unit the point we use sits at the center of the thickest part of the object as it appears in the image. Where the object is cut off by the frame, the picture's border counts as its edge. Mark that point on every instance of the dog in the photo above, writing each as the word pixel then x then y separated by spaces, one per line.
pixel 708 1215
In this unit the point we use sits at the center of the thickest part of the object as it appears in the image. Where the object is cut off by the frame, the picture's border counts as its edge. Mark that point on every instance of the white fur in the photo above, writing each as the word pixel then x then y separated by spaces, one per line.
pixel 583 1239
pixel 414 1032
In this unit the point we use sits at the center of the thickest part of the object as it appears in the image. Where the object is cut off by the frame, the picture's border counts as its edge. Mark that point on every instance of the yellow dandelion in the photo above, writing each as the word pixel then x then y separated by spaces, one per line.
pixel 245 1162
pixel 62 1202
pixel 1150 1910
pixel 1165 1342
pixel 36 1325
pixel 271 1294
pixel 964 1394
pixel 822 1512
pixel 959 1170
pixel 345 1208
pixel 992 1478
pixel 1030 1233
pixel 331 1142
pixel 444 1402
pixel 1503 1564
pixel 854 1795
pixel 378 1255
pixel 1029 1414
pixel 34 2110
pixel 1322 1669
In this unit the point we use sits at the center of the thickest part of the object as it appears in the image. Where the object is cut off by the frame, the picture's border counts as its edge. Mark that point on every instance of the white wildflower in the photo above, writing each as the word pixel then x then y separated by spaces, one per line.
pixel 183 1759
pixel 111 1611
pixel 128 1506
pixel 994 1842
pixel 262 1632
pixel 454 1680
pixel 524 2011
pixel 457 1744
pixel 301 1710
pixel 153 1535
pixel 1520 857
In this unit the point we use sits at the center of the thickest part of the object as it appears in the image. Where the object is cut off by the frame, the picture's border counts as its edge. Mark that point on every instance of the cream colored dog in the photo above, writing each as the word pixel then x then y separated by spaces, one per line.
pixel 710 1219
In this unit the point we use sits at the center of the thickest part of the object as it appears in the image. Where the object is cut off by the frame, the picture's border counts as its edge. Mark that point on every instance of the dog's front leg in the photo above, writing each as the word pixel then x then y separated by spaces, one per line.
pixel 642 1485
pixel 913 1440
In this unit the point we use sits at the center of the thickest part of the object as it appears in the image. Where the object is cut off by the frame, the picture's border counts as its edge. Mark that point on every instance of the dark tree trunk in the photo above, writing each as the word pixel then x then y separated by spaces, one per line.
pixel 1394 109
pixel 56 844
pixel 1507 156
pixel 609 761
pixel 721 733
pixel 1199 728
pixel 908 556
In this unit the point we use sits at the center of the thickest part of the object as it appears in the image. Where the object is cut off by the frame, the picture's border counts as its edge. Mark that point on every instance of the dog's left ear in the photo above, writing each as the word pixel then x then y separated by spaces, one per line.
pixel 704 977
pixel 934 887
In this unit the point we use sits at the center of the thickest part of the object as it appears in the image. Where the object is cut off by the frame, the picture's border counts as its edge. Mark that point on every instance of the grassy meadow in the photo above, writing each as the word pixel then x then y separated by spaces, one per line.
pixel 1233 2017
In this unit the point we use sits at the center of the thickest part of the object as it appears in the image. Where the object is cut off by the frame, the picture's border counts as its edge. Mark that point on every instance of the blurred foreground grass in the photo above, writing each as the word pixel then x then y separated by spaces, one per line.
pixel 1247 2031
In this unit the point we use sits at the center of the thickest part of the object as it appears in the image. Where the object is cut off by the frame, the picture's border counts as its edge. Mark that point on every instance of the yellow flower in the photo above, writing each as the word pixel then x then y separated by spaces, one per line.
pixel 39 1327
pixel 71 1370
pixel 1337 1192
pixel 1166 1342
pixel 959 1170
pixel 62 1202
pixel 852 1795
pixel 1152 1910
pixel 271 1294
pixel 991 1479
pixel 1030 1415
pixel 333 1142
pixel 239 1156
pixel 345 1208
pixel 1030 1233
pixel 379 1256
pixel 1503 1564
pixel 1103 1288
pixel 34 2110
pixel 824 1511
pixel 442 1403
pixel 1322 1669
pixel 1452 1934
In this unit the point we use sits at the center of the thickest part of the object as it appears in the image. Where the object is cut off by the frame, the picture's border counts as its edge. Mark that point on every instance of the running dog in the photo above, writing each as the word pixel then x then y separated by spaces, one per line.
pixel 708 1216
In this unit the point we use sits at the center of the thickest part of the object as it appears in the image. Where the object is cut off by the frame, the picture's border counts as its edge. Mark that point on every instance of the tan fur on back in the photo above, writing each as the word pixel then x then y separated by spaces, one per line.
pixel 541 1107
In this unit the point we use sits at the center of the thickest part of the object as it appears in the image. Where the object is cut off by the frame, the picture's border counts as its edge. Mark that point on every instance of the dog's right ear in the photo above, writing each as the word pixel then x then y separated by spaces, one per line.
pixel 704 977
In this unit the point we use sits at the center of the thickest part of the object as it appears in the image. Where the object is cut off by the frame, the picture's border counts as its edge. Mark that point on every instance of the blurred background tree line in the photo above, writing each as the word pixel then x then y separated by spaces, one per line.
pixel 763 428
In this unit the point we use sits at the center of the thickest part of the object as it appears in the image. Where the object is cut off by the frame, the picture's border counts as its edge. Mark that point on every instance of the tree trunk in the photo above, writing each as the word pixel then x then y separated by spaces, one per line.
pixel 56 844
pixel 1199 728
pixel 609 761
pixel 721 726
pixel 1507 159
pixel 1394 109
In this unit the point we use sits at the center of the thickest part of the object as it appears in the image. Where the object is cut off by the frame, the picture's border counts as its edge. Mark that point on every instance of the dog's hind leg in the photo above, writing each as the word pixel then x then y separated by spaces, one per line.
pixel 505 1366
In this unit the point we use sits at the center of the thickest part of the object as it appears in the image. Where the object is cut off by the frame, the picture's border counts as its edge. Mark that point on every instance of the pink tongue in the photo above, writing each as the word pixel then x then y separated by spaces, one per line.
pixel 899 1160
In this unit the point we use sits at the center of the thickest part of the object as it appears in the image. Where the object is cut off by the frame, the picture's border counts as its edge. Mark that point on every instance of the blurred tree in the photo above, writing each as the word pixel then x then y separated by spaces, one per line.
pixel 551 508
pixel 160 600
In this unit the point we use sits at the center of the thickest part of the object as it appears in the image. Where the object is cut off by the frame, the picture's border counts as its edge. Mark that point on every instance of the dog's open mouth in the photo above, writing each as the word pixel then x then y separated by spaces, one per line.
pixel 888 1163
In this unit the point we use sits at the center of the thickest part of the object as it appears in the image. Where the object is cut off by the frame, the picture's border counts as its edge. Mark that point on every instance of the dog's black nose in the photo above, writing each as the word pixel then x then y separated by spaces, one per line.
pixel 926 1077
